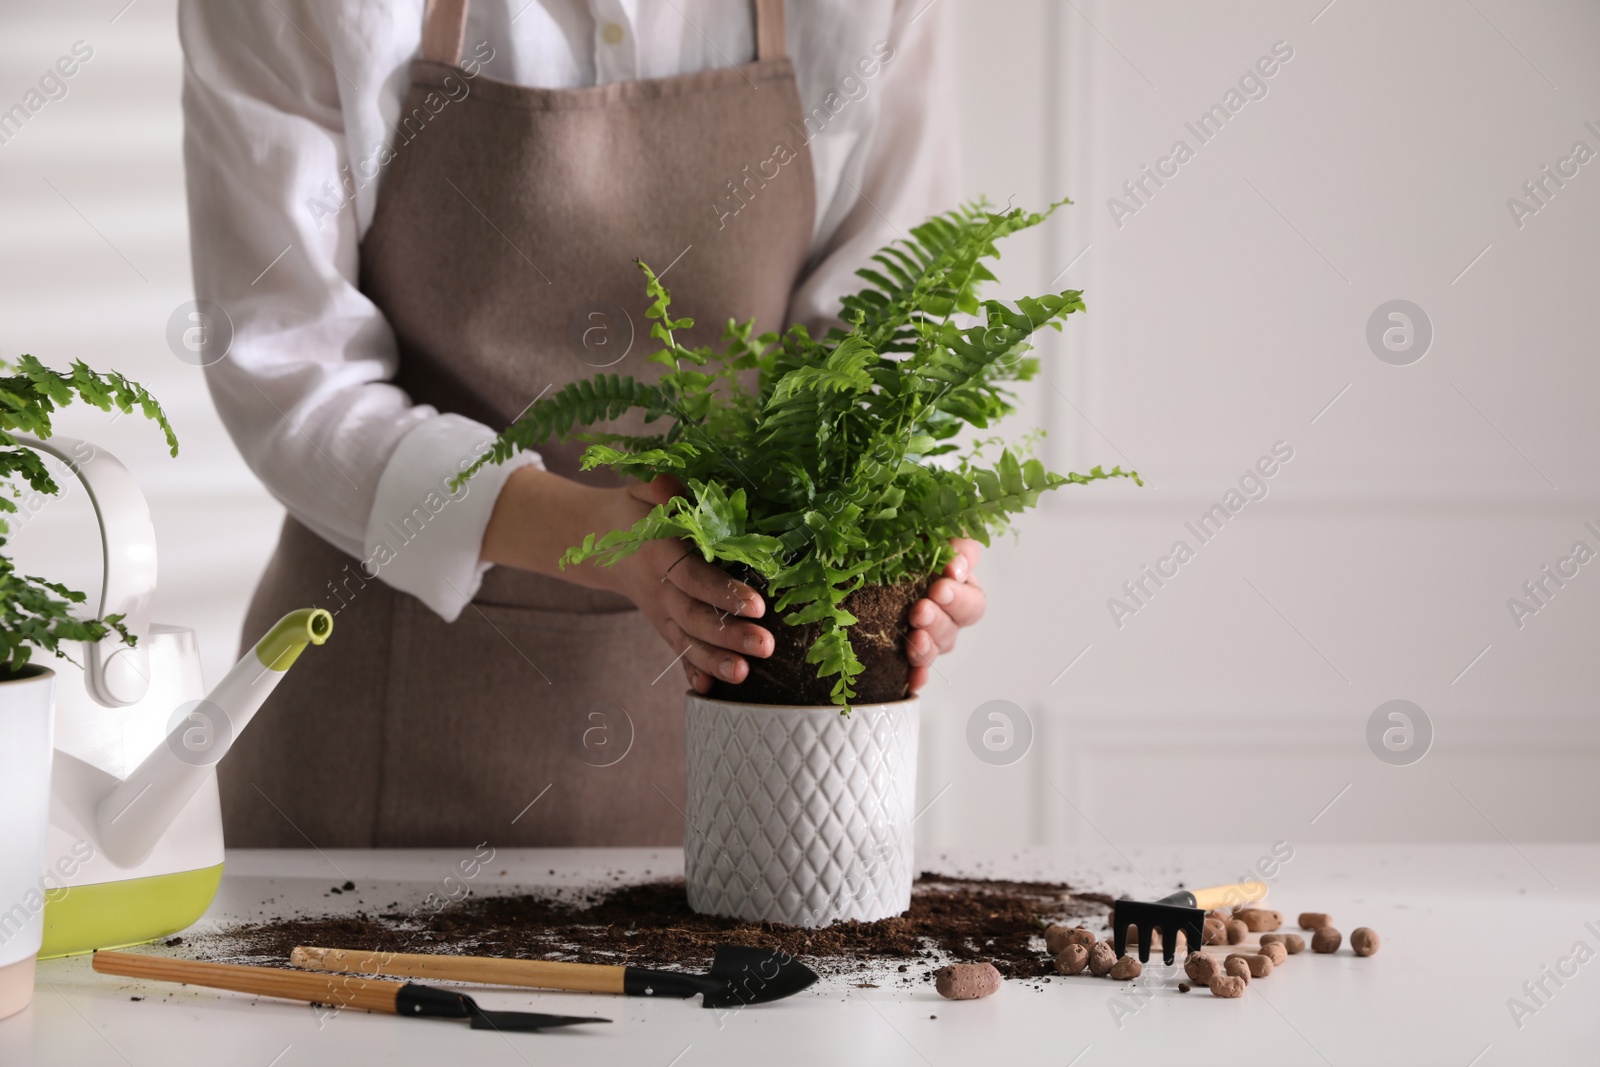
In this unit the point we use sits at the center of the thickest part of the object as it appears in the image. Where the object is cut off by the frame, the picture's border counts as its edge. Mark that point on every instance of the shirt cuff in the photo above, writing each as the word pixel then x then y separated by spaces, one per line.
pixel 424 538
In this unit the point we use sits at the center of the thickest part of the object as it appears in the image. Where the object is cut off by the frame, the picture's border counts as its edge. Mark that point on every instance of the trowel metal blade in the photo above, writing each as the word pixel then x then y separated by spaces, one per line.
pixel 755 976
pixel 525 1020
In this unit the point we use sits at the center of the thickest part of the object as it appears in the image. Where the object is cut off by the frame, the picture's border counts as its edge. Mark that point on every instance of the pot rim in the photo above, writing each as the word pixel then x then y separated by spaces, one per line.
pixel 31 672
pixel 914 698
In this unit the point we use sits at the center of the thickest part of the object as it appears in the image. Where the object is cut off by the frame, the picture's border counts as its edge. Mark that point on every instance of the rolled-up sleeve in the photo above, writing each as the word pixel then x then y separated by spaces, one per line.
pixel 306 388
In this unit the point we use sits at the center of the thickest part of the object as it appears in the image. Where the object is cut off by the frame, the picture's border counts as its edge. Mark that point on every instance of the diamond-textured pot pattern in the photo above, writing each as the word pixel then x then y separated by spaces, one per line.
pixel 800 815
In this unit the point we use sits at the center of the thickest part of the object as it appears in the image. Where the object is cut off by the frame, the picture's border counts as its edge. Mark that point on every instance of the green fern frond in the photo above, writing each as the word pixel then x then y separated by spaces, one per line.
pixel 828 463
pixel 36 613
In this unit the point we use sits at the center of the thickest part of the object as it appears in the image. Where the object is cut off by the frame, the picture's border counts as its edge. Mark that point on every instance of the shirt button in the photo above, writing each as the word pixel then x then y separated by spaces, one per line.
pixel 611 33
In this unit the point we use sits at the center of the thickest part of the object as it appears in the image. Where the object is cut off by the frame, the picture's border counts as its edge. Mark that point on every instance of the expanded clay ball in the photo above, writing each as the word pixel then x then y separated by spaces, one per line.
pixel 1260 919
pixel 1314 920
pixel 1260 966
pixel 1293 942
pixel 1216 932
pixel 1126 968
pixel 1202 967
pixel 1072 959
pixel 1364 941
pixel 1228 986
pixel 1237 932
pixel 1275 952
pixel 1236 966
pixel 967 981
pixel 1058 937
pixel 1101 959
pixel 1326 940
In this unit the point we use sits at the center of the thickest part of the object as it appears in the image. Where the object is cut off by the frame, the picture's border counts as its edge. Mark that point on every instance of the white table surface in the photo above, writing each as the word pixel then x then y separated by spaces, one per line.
pixel 1463 928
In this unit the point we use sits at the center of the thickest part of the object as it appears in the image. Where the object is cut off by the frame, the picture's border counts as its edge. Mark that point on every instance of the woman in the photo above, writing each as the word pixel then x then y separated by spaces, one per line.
pixel 411 253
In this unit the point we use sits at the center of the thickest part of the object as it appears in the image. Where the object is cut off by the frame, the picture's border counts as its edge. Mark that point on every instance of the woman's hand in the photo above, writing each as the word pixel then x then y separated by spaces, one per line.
pixel 694 605
pixel 953 601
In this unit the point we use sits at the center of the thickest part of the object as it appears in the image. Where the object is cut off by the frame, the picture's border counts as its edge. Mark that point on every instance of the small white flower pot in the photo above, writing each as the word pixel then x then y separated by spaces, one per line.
pixel 800 815
pixel 25 755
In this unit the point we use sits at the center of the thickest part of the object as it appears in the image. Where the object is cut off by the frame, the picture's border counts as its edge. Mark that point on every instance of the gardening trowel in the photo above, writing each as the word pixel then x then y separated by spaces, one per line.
pixel 739 975
pixel 1184 910
pixel 363 994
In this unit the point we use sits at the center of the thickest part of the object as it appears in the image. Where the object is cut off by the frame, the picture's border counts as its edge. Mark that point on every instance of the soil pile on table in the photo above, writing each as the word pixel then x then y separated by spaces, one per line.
pixel 650 925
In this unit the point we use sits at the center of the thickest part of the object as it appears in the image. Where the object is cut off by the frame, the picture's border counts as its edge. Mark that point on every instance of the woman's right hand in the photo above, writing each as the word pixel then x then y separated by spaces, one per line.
pixel 695 606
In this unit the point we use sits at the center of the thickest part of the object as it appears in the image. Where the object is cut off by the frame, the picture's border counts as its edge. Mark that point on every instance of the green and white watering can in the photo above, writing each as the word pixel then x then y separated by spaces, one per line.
pixel 135 842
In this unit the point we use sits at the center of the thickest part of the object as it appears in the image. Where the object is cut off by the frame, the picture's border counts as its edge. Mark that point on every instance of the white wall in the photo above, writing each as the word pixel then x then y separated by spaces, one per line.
pixel 1224 316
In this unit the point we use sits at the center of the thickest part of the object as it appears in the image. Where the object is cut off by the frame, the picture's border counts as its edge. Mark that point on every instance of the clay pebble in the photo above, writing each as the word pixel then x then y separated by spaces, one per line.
pixel 967 981
pixel 1101 959
pixel 1314 920
pixel 1125 969
pixel 1237 932
pixel 1236 966
pixel 1256 965
pixel 1228 986
pixel 1326 940
pixel 1294 943
pixel 1072 959
pixel 1216 932
pixel 1260 920
pixel 1364 941
pixel 1275 952
pixel 1202 967
pixel 1058 937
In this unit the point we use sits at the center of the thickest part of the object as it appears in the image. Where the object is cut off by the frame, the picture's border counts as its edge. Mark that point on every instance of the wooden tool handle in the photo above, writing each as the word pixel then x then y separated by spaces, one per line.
pixel 1226 896
pixel 539 974
pixel 365 994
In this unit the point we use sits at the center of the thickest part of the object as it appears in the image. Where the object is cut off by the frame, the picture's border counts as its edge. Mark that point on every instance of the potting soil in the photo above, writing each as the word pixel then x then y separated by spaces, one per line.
pixel 649 924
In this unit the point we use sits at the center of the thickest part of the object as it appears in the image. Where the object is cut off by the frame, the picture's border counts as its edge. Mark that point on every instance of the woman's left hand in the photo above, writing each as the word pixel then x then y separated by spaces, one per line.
pixel 953 601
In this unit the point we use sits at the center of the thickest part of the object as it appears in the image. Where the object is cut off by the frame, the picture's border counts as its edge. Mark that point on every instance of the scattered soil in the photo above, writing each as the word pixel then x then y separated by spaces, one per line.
pixel 650 925
pixel 883 614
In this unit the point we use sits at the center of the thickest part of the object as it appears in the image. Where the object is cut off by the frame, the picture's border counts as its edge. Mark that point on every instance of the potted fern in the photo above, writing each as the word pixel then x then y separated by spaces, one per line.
pixel 828 473
pixel 37 615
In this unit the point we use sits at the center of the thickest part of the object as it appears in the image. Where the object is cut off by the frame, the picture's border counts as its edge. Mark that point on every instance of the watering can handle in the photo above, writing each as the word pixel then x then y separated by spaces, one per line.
pixel 115 673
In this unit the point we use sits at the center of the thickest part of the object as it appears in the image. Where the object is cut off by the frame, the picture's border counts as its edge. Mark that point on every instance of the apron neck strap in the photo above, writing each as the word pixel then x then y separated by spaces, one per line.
pixel 769 29
pixel 444 30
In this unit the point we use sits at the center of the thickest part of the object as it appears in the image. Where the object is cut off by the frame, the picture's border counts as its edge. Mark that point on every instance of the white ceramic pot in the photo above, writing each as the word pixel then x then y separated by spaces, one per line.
pixel 25 721
pixel 800 815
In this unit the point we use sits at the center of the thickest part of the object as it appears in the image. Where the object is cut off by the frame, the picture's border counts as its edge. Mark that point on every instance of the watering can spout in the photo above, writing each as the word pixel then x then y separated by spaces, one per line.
pixel 289 636
pixel 138 810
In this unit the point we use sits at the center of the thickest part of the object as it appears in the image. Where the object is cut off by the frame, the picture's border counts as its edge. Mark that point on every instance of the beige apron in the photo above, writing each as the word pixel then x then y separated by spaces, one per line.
pixel 503 240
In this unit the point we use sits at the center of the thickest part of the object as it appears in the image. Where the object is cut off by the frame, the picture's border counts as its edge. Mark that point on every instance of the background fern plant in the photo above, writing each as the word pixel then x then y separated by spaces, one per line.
pixel 839 468
pixel 35 613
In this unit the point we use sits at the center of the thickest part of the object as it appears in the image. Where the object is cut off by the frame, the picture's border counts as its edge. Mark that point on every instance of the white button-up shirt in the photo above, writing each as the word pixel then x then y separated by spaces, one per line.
pixel 285 101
